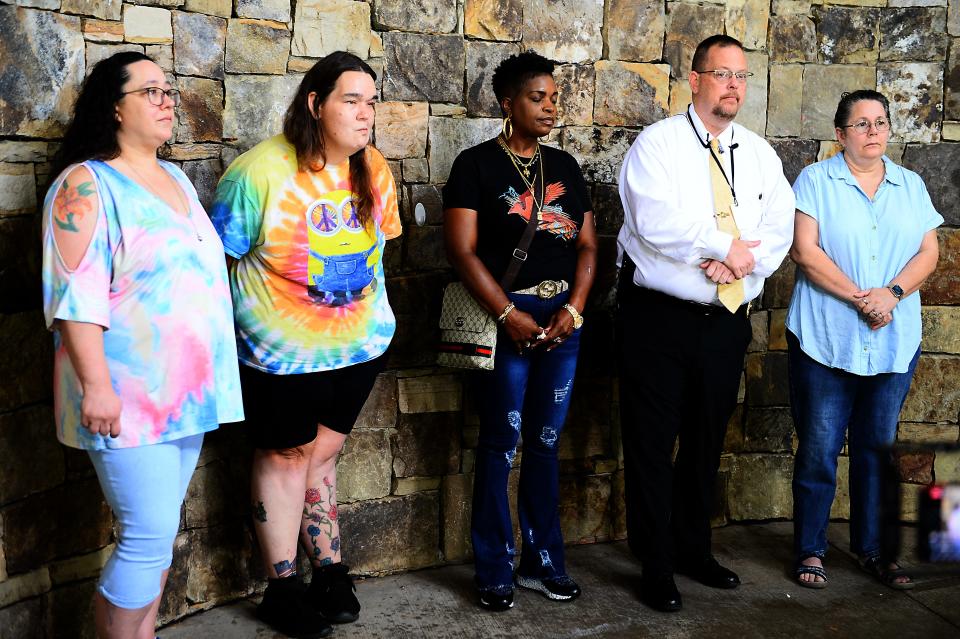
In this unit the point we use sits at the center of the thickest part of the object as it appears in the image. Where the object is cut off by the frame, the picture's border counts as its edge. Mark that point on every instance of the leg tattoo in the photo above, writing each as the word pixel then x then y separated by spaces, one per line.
pixel 285 568
pixel 260 513
pixel 320 510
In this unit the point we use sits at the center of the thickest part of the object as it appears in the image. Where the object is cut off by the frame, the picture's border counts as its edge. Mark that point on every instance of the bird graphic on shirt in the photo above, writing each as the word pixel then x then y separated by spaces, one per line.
pixel 552 219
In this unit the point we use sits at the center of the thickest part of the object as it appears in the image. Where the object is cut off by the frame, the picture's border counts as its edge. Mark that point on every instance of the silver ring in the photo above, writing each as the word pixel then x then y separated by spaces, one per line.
pixel 558 339
pixel 527 345
pixel 542 335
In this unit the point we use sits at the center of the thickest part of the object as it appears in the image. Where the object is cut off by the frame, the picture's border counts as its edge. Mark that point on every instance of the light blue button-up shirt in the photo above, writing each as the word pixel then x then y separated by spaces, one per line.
pixel 871 242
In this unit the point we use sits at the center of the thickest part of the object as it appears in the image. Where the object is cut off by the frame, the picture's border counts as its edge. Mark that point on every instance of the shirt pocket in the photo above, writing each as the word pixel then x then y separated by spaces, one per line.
pixel 748 208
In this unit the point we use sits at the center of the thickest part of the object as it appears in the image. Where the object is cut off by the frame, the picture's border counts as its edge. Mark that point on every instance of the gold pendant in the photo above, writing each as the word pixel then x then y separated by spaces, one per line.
pixel 526 172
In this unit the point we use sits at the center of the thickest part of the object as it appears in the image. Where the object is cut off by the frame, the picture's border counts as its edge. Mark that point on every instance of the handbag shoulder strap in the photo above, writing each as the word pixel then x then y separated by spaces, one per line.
pixel 519 255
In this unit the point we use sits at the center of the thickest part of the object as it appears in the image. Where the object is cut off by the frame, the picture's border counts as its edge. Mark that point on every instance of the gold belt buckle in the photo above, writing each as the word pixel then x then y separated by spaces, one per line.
pixel 547 289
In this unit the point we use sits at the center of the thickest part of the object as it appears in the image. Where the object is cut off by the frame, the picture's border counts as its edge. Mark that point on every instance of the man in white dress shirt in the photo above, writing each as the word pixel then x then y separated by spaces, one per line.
pixel 708 215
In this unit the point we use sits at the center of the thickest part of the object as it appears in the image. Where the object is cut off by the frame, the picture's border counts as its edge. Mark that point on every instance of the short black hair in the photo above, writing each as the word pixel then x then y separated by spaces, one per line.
pixel 847 100
pixel 717 40
pixel 510 76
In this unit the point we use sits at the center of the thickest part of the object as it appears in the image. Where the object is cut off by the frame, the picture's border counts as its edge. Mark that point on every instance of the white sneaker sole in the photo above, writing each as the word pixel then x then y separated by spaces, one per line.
pixel 536 584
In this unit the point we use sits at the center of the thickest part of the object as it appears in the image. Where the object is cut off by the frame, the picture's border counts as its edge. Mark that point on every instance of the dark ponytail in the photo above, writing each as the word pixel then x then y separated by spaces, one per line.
pixel 847 100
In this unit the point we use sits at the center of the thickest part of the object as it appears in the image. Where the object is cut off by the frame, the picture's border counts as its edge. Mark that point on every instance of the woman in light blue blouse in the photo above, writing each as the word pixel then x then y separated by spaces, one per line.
pixel 864 241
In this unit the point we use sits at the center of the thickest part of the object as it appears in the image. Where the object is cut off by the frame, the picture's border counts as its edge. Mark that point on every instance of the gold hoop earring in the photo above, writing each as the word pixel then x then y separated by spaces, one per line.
pixel 507 124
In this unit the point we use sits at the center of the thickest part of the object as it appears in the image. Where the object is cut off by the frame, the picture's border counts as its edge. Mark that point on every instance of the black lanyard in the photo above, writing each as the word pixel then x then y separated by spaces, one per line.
pixel 706 145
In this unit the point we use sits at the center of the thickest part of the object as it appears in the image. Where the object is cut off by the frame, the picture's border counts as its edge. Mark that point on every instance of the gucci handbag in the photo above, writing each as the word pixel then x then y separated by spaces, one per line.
pixel 468 334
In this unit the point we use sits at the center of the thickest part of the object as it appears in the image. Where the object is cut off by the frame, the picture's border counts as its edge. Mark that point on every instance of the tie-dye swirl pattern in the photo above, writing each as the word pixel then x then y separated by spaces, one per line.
pixel 164 298
pixel 308 286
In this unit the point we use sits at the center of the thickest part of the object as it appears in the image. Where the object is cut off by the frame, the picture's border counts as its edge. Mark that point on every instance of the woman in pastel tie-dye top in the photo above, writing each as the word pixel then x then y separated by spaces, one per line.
pixel 135 290
pixel 304 218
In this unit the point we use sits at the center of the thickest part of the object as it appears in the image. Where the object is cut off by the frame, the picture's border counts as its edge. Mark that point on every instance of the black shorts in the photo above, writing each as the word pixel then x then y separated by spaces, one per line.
pixel 283 411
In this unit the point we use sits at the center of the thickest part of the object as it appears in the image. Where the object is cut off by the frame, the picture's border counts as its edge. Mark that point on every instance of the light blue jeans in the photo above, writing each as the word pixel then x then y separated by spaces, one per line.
pixel 145 487
pixel 828 403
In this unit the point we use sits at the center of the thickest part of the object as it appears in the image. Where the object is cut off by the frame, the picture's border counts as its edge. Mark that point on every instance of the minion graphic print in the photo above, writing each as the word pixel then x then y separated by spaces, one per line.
pixel 342 256
pixel 308 285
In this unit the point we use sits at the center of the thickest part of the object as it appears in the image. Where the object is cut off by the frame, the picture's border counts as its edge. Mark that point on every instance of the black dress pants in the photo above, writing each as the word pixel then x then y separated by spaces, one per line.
pixel 680 365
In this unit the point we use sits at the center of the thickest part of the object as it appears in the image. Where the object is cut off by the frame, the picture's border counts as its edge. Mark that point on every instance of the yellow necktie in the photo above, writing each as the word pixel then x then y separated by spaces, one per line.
pixel 731 295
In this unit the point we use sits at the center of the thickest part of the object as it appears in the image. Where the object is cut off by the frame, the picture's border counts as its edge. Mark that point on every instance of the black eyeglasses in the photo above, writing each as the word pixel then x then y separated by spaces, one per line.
pixel 725 74
pixel 155 95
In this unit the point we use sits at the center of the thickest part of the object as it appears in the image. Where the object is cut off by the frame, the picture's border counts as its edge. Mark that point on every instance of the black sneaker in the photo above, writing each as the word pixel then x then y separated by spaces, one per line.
pixel 284 610
pixel 496 599
pixel 561 588
pixel 331 593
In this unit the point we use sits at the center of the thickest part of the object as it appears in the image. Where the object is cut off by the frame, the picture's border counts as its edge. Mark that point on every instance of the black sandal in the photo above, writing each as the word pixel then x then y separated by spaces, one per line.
pixel 817 571
pixel 887 576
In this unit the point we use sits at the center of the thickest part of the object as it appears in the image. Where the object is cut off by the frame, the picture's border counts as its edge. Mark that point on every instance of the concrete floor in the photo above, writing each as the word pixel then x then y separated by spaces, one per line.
pixel 439 603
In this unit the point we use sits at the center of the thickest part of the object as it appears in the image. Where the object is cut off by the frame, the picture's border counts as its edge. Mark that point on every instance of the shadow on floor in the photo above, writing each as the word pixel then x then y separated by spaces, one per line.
pixel 439 603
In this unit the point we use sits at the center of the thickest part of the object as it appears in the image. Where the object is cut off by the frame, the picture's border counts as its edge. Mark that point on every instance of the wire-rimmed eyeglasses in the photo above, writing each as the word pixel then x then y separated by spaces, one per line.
pixel 862 126
pixel 725 74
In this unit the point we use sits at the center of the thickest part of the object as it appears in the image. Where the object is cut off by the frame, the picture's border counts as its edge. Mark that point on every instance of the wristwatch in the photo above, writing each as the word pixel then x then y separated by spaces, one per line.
pixel 897 291
pixel 577 317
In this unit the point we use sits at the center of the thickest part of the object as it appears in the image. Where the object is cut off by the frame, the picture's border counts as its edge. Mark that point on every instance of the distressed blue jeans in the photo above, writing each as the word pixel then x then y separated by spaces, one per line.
pixel 526 395
pixel 826 404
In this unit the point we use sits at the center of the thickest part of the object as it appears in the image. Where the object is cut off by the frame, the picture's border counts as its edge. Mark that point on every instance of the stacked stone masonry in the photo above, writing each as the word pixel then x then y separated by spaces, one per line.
pixel 406 472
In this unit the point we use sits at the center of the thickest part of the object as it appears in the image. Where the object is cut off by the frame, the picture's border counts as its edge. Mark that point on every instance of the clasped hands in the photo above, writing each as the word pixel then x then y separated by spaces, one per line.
pixel 876 306
pixel 525 333
pixel 738 264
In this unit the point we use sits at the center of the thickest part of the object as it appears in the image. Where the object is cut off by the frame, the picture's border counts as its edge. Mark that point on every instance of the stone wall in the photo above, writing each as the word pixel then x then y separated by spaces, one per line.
pixel 406 472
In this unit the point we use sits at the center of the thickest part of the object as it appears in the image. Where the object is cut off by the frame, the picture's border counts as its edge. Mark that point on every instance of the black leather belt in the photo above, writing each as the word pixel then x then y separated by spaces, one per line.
pixel 687 305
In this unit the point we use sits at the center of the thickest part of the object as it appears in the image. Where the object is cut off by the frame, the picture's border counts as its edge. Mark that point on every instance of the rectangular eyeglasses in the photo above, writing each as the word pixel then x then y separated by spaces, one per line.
pixel 155 95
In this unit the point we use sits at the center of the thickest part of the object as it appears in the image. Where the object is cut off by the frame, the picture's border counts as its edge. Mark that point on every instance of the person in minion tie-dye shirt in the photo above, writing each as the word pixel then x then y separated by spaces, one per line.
pixel 135 291
pixel 304 217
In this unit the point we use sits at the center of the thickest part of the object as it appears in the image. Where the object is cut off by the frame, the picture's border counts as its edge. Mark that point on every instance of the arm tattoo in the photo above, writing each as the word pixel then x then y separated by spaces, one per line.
pixel 259 512
pixel 71 204
pixel 285 568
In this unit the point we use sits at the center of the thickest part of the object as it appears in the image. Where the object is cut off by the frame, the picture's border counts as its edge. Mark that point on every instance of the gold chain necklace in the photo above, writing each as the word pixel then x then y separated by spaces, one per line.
pixel 523 167
pixel 176 189
pixel 530 184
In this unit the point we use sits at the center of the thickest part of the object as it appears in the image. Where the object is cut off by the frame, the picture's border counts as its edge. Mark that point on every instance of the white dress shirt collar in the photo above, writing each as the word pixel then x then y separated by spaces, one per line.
pixel 725 137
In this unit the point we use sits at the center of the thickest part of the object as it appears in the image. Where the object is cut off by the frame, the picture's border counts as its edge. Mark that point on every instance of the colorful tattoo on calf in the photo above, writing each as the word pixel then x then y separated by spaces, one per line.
pixel 71 204
pixel 322 512
pixel 259 512
pixel 285 568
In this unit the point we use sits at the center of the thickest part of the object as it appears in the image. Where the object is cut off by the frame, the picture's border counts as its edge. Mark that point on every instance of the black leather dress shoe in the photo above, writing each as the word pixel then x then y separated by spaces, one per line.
pixel 711 573
pixel 496 599
pixel 660 593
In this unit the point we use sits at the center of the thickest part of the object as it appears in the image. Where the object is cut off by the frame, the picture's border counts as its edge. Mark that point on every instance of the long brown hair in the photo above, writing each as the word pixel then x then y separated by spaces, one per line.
pixel 305 133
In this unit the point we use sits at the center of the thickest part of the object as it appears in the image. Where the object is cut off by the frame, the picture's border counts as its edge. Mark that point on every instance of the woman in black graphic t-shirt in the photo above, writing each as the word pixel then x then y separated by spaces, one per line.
pixel 493 190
